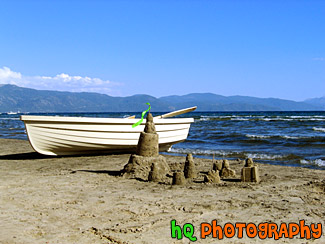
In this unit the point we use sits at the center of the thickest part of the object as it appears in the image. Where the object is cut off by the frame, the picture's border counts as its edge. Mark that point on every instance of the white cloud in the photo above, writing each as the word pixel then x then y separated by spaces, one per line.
pixel 7 74
pixel 60 82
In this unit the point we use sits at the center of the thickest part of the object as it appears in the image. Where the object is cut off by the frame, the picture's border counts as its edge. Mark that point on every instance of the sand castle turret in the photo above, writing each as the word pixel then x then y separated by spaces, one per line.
pixel 217 165
pixel 250 172
pixel 189 169
pixel 156 173
pixel 148 142
pixel 178 178
pixel 212 177
pixel 147 164
pixel 226 171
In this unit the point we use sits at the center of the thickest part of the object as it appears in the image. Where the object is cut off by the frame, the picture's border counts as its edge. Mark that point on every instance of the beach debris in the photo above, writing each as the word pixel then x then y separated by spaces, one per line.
pixel 250 172
pixel 178 178
pixel 189 169
pixel 212 177
pixel 226 172
pixel 147 158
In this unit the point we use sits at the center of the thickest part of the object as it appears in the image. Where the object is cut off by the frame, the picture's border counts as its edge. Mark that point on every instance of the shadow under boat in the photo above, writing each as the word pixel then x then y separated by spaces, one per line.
pixel 36 155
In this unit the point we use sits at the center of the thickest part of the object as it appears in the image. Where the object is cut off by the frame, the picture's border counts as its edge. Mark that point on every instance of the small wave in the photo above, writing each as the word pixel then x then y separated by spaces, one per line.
pixel 229 154
pixel 263 118
pixel 292 137
pixel 198 151
pixel 263 156
pixel 258 136
pixel 276 136
pixel 204 119
pixel 316 119
pixel 240 119
pixel 304 138
pixel 319 129
pixel 318 162
pixel 292 119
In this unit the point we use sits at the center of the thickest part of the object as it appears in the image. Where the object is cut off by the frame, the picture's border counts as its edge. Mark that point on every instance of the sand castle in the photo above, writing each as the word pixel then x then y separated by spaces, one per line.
pixel 178 178
pixel 212 177
pixel 189 172
pixel 226 172
pixel 217 165
pixel 250 172
pixel 223 167
pixel 147 164
pixel 189 168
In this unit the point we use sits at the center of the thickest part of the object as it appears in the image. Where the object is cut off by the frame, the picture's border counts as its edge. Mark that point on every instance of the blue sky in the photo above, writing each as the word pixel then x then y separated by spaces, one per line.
pixel 254 48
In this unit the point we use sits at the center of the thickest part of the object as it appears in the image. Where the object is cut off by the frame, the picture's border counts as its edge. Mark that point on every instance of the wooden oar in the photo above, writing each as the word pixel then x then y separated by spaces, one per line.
pixel 130 117
pixel 177 112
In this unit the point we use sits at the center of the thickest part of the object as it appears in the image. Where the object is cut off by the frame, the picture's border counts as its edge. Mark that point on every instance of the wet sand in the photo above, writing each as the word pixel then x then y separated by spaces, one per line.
pixel 84 200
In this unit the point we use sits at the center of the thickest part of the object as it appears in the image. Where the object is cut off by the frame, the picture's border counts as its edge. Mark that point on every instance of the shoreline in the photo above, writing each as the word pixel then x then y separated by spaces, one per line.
pixel 206 157
pixel 83 200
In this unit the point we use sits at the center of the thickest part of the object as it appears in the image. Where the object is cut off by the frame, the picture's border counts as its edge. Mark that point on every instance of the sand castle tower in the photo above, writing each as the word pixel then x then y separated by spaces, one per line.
pixel 189 169
pixel 212 177
pixel 148 142
pixel 226 172
pixel 249 172
pixel 147 164
pixel 178 178
pixel 217 165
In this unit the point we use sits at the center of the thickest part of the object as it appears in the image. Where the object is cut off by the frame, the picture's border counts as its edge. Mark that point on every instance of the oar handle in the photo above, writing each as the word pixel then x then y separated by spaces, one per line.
pixel 177 112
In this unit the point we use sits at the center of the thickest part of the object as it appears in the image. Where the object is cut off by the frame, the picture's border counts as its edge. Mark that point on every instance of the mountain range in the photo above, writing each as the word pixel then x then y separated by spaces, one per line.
pixel 14 98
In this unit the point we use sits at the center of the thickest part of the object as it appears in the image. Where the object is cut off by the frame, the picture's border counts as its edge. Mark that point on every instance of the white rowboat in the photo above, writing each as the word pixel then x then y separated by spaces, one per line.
pixel 54 135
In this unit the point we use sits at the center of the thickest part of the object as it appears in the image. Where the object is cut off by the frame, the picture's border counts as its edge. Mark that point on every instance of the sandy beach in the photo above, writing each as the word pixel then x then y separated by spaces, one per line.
pixel 84 200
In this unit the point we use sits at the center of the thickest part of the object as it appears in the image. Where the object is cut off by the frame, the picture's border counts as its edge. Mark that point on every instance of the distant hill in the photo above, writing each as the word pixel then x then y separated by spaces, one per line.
pixel 14 98
pixel 213 102
pixel 320 102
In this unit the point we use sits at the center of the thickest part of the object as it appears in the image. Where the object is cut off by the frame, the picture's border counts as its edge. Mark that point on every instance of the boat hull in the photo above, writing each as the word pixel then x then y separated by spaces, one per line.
pixel 54 135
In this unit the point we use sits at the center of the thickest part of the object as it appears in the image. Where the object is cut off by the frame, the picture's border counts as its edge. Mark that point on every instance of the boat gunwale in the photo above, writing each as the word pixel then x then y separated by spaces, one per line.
pixel 96 120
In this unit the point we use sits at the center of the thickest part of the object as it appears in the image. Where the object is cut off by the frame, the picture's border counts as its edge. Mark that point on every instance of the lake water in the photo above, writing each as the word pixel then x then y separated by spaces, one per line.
pixel 285 138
